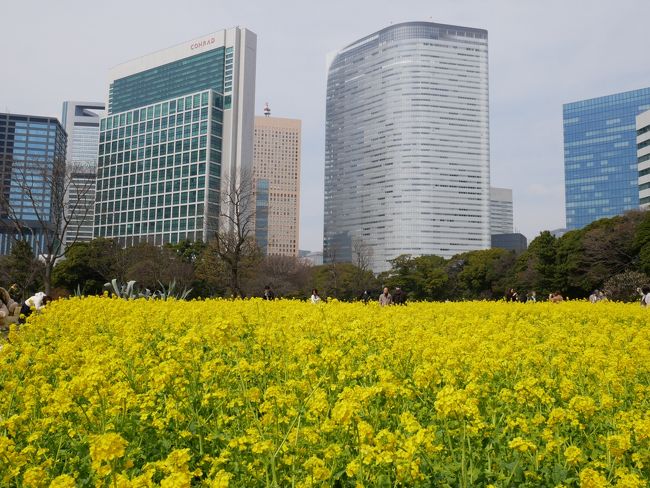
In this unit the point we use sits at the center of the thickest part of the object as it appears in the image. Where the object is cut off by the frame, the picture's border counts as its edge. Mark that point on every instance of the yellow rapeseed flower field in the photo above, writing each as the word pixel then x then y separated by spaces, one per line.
pixel 110 392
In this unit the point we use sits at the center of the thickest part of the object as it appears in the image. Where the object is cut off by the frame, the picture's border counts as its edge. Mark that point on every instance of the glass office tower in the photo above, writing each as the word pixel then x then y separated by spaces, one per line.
pixel 178 138
pixel 30 147
pixel 407 166
pixel 600 156
pixel 81 123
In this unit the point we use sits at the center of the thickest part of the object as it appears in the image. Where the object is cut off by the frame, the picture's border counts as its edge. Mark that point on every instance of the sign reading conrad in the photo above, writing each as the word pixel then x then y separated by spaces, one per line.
pixel 203 43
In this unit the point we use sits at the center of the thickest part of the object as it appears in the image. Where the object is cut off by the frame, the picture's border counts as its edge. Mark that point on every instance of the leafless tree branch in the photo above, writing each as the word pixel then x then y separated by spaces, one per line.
pixel 55 197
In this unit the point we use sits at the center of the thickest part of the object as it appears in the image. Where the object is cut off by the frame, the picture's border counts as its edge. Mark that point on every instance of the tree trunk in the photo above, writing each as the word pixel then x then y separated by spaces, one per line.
pixel 47 282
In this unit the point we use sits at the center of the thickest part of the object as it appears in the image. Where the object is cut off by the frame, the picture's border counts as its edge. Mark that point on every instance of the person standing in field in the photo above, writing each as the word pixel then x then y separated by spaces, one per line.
pixel 645 296
pixel 315 298
pixel 511 296
pixel 268 293
pixel 399 296
pixel 555 297
pixel 385 298
pixel 596 296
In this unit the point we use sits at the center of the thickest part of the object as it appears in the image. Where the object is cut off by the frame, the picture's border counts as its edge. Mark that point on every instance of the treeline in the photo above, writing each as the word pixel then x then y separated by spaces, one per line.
pixel 610 254
pixel 190 265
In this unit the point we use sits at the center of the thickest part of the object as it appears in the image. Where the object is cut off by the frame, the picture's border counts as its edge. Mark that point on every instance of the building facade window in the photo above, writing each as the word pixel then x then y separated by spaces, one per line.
pixel 407 144
pixel 600 156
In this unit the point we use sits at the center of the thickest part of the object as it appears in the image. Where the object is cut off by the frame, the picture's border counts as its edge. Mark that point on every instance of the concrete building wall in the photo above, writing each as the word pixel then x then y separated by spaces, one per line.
pixel 643 157
pixel 276 180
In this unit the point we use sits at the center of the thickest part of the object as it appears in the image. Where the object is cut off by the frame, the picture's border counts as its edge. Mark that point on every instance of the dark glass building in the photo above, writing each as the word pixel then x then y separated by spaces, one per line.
pixel 512 242
pixel 600 156
pixel 30 148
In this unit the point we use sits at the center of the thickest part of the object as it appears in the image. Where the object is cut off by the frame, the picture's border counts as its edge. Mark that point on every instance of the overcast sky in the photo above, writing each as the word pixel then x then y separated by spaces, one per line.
pixel 542 54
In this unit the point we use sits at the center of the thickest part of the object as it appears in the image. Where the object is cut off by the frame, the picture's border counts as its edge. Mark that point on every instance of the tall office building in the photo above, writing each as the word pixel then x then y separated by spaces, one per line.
pixel 600 157
pixel 81 123
pixel 32 155
pixel 501 215
pixel 643 157
pixel 177 138
pixel 276 179
pixel 407 165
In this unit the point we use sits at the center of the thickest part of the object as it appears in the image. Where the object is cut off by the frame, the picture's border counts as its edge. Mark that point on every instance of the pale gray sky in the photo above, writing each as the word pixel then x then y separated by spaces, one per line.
pixel 542 54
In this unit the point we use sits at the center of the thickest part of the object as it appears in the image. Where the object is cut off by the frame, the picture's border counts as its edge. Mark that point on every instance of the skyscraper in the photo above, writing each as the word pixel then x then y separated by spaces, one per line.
pixel 407 167
pixel 177 138
pixel 32 157
pixel 81 123
pixel 501 215
pixel 643 157
pixel 276 179
pixel 600 157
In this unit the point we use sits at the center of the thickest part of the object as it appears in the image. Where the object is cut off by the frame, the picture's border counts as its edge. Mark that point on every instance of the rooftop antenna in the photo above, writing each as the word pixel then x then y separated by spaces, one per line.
pixel 267 110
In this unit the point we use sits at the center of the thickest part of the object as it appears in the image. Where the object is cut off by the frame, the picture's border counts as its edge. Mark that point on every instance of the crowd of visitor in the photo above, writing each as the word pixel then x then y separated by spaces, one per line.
pixel 36 302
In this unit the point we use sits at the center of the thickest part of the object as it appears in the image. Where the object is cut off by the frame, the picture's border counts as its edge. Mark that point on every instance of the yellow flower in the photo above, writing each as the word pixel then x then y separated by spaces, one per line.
pixel 642 429
pixel 63 481
pixel 35 477
pixel 573 455
pixel 248 393
pixel 521 445
pixel 629 480
pixel 618 444
pixel 352 468
pixel 590 478
pixel 221 479
pixel 176 480
pixel 584 405
pixel 317 469
pixel 106 447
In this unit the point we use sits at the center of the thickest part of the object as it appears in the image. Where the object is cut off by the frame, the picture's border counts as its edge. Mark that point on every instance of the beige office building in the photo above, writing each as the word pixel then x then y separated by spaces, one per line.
pixel 276 178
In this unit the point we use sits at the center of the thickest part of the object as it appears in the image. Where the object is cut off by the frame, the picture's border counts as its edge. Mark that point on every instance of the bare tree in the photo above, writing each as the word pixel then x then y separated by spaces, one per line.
pixel 362 254
pixel 234 243
pixel 288 276
pixel 47 200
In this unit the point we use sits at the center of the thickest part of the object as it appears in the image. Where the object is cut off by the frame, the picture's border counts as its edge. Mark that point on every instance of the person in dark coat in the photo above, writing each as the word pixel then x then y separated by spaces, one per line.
pixel 399 296
pixel 268 293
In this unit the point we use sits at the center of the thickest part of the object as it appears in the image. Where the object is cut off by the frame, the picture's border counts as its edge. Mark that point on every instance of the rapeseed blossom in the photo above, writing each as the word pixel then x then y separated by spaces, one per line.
pixel 217 393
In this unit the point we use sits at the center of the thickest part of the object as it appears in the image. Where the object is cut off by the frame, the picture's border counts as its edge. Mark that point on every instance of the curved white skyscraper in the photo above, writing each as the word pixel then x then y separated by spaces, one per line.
pixel 407 165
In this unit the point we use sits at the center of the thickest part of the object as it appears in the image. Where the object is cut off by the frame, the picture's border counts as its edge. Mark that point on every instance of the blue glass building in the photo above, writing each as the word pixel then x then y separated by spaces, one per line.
pixel 30 148
pixel 600 159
